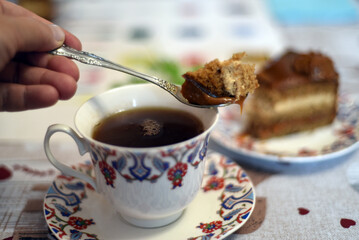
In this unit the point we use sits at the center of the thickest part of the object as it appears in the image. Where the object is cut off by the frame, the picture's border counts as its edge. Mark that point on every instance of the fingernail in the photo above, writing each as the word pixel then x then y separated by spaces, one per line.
pixel 59 35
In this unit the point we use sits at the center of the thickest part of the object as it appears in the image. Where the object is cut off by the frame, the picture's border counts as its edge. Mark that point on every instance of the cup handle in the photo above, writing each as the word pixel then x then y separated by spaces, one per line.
pixel 81 144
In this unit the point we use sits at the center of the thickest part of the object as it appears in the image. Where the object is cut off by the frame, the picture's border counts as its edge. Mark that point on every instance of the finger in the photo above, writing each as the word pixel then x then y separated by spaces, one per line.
pixel 15 97
pixel 72 41
pixel 65 85
pixel 11 9
pixel 55 63
pixel 24 34
pixel 19 73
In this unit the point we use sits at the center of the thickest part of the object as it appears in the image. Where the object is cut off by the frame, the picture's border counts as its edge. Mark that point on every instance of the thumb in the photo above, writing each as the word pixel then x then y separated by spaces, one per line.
pixel 26 34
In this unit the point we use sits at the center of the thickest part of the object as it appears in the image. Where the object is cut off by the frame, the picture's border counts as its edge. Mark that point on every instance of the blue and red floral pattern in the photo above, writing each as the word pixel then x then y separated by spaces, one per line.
pixel 236 199
pixel 108 172
pixel 210 227
pixel 176 174
pixel 61 212
pixel 79 223
pixel 214 183
pixel 173 162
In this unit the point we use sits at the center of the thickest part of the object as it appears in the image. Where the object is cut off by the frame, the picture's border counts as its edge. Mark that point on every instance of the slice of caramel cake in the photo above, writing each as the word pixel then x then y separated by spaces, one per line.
pixel 298 92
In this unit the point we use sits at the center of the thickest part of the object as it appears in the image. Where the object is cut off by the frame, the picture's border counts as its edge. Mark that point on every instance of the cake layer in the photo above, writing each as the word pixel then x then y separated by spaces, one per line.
pixel 292 125
pixel 271 96
pixel 297 106
pixel 298 103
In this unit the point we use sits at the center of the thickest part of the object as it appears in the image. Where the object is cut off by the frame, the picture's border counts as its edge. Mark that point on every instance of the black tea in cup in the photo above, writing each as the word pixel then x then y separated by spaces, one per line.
pixel 147 127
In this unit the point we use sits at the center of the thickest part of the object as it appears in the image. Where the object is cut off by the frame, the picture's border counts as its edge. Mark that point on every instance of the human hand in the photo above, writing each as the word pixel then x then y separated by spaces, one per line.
pixel 30 77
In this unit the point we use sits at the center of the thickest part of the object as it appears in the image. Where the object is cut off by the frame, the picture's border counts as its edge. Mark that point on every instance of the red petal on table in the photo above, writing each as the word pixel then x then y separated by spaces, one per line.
pixel 347 223
pixel 303 211
pixel 5 173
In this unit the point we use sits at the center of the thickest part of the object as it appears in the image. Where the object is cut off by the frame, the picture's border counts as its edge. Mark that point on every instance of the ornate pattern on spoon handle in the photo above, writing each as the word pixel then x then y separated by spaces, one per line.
pixel 81 56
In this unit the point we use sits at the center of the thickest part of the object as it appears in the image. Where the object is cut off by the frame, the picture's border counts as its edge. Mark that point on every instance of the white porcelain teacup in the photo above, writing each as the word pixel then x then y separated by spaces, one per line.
pixel 149 187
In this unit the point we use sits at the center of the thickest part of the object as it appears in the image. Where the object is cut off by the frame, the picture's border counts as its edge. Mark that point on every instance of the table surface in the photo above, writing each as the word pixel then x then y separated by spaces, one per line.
pixel 312 201
pixel 308 201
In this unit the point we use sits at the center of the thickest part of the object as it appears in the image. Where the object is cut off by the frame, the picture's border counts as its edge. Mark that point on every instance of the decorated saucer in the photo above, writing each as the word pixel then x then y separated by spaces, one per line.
pixel 73 210
pixel 321 144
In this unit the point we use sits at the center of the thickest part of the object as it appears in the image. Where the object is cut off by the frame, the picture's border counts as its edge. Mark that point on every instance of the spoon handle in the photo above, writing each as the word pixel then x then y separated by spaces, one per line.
pixel 92 59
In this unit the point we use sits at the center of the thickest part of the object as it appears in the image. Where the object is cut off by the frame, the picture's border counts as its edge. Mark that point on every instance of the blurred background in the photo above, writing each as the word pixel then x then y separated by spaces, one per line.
pixel 167 38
